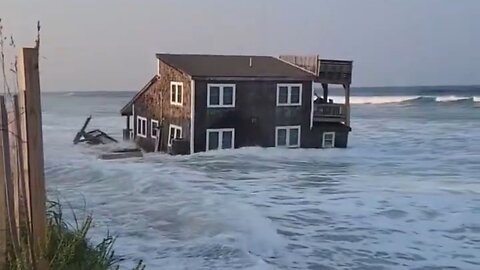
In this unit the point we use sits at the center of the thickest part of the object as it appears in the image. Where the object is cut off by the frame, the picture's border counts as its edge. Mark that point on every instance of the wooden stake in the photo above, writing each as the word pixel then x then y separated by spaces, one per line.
pixel 31 131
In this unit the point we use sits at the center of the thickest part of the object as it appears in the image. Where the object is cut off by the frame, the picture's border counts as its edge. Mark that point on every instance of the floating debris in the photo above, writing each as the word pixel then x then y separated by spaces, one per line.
pixel 122 153
pixel 93 137
pixel 98 137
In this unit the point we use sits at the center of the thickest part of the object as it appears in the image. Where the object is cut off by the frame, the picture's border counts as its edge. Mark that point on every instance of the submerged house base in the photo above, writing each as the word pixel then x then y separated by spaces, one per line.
pixel 198 103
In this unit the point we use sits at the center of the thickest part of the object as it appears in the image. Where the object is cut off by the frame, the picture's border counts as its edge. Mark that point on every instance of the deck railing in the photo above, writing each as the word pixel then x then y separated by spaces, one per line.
pixel 329 112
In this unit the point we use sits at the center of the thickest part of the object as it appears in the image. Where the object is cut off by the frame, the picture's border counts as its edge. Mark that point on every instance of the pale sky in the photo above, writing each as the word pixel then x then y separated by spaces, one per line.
pixel 111 44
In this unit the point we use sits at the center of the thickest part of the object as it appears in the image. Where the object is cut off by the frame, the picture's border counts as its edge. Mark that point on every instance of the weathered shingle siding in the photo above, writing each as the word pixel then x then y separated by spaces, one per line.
pixel 255 115
pixel 155 104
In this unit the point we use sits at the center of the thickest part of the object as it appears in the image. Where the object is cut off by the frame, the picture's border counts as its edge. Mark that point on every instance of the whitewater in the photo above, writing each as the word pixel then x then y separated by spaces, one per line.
pixel 405 99
pixel 404 195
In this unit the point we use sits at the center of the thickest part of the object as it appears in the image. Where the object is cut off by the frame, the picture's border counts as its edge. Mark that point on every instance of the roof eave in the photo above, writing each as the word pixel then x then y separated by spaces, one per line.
pixel 253 78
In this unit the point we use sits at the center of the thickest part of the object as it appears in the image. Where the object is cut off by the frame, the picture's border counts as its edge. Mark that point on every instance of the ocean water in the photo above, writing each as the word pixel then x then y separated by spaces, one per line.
pixel 404 195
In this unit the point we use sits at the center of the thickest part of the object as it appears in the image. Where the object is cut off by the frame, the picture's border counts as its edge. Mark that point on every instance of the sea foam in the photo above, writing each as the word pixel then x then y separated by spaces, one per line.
pixel 451 98
pixel 402 99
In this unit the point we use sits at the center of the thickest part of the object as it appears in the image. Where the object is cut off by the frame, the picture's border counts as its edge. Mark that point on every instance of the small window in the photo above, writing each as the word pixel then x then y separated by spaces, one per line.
pixel 289 94
pixel 287 136
pixel 220 139
pixel 214 96
pixel 176 93
pixel 141 126
pixel 228 95
pixel 328 140
pixel 293 137
pixel 283 95
pixel 154 128
pixel 221 95
pixel 227 140
pixel 282 137
pixel 175 132
pixel 295 95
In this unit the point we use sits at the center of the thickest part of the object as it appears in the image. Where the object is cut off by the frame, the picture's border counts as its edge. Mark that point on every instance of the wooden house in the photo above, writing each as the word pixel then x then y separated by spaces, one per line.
pixel 198 103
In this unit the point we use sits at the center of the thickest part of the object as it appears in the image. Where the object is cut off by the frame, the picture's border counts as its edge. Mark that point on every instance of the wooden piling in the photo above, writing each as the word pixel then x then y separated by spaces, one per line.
pixel 347 103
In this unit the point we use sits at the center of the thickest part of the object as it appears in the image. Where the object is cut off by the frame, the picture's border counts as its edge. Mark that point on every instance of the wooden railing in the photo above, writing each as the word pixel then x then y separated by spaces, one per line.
pixel 335 71
pixel 329 112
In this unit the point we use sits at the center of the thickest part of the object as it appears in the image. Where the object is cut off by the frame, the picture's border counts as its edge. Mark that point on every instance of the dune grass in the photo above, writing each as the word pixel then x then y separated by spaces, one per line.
pixel 68 246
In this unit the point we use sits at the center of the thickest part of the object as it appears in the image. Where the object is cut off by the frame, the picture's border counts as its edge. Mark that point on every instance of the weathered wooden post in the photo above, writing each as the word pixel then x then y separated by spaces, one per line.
pixel 17 169
pixel 4 200
pixel 6 176
pixel 33 163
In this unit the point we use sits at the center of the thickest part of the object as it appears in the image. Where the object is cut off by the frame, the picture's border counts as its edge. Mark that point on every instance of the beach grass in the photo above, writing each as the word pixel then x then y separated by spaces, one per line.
pixel 68 246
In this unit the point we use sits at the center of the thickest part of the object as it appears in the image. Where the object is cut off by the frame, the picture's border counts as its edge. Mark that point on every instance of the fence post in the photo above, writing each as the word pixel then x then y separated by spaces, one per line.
pixel 17 171
pixel 31 133
pixel 4 234
pixel 7 170
pixel 9 230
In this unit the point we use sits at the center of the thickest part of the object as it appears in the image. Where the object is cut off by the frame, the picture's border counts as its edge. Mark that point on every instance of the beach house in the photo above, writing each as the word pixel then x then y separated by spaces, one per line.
pixel 198 103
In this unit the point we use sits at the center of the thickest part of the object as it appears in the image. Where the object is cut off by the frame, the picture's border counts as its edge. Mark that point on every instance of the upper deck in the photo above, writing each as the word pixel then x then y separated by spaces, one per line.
pixel 327 70
pixel 335 71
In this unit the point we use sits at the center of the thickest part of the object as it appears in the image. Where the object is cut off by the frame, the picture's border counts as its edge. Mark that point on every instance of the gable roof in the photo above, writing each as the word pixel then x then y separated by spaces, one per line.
pixel 197 65
pixel 127 109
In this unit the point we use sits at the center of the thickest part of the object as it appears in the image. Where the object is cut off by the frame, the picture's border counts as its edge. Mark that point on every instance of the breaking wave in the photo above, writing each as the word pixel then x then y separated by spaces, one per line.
pixel 404 99
pixel 451 98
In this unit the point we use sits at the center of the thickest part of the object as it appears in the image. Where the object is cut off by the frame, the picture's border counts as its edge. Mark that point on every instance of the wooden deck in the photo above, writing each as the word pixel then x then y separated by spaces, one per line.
pixel 335 71
pixel 327 71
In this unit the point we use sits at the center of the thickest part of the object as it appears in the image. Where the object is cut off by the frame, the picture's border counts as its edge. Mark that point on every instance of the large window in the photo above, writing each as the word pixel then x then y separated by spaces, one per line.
pixel 154 128
pixel 288 136
pixel 221 95
pixel 328 140
pixel 220 139
pixel 289 94
pixel 176 93
pixel 141 126
pixel 175 132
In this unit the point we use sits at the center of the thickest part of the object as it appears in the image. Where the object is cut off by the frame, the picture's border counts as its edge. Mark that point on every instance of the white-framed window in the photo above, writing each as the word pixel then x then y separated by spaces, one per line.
pixel 328 140
pixel 174 132
pixel 154 128
pixel 141 127
pixel 176 93
pixel 223 138
pixel 221 95
pixel 289 94
pixel 287 136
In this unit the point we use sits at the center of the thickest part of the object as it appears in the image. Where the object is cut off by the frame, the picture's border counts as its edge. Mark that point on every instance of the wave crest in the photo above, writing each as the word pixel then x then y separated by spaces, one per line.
pixel 403 99
pixel 451 98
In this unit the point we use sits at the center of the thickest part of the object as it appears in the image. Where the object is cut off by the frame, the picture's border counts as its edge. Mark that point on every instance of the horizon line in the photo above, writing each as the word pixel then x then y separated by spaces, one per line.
pixel 333 86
